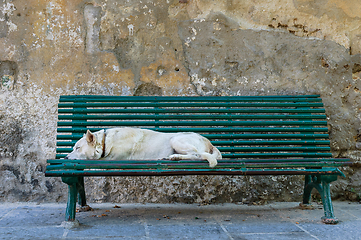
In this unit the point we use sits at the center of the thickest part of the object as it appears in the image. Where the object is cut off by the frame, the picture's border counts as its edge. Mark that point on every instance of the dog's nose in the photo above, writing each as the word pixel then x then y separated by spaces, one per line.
pixel 66 157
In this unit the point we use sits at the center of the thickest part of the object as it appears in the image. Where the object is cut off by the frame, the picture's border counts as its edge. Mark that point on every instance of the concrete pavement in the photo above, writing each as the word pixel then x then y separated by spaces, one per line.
pixel 180 221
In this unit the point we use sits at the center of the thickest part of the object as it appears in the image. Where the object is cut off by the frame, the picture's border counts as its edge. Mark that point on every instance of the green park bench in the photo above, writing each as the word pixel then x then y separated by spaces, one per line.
pixel 264 135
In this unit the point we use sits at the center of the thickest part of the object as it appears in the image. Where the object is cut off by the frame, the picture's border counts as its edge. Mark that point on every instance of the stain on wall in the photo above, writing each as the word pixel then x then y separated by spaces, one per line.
pixel 178 48
pixel 8 73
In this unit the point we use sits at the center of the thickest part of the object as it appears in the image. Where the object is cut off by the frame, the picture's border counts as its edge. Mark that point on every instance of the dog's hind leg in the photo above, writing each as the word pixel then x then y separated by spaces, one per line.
pixel 177 156
pixel 191 147
pixel 210 158
pixel 195 156
pixel 191 154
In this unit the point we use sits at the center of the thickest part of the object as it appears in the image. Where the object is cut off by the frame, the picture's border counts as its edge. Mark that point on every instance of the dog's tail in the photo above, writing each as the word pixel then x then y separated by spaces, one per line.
pixel 212 156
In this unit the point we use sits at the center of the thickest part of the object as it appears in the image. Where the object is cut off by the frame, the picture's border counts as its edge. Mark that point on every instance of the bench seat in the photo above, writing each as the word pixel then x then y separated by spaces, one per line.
pixel 68 168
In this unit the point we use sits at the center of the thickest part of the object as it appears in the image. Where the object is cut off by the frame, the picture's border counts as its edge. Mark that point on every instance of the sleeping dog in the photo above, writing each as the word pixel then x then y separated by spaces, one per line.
pixel 141 144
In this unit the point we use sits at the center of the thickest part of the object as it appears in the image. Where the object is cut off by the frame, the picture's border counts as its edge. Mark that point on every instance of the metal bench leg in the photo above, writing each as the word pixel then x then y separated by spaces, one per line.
pixel 322 184
pixel 329 217
pixel 311 182
pixel 81 196
pixel 81 192
pixel 309 185
pixel 72 197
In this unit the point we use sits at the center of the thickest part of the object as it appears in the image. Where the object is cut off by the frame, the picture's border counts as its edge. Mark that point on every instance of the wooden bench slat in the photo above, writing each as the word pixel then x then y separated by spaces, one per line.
pixel 161 161
pixel 272 149
pixel 195 123
pixel 272 142
pixel 193 165
pixel 275 155
pixel 95 98
pixel 250 155
pixel 204 130
pixel 190 110
pixel 186 104
pixel 267 136
pixel 254 149
pixel 235 161
pixel 204 171
pixel 187 117
pixel 235 142
pixel 211 136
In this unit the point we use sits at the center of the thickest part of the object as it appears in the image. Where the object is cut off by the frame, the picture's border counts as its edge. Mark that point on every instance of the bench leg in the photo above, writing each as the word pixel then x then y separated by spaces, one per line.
pixel 81 196
pixel 322 185
pixel 81 192
pixel 329 217
pixel 72 197
pixel 311 182
pixel 309 185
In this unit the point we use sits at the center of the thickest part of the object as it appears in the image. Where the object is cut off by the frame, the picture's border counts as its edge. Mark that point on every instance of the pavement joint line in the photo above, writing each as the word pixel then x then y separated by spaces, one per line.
pixel 8 213
pixel 348 212
pixel 225 230
pixel 65 234
pixel 146 228
pixel 86 238
pixel 297 225
pixel 222 226
pixel 268 233
pixel 33 227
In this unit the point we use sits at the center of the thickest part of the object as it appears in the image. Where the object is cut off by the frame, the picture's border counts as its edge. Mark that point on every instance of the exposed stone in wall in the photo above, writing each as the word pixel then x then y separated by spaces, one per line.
pixel 148 89
pixel 336 20
pixel 8 71
pixel 242 62
pixel 171 47
pixel 196 189
pixel 92 16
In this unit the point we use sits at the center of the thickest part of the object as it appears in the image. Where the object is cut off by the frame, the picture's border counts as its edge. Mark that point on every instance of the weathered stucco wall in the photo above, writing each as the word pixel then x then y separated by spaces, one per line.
pixel 172 47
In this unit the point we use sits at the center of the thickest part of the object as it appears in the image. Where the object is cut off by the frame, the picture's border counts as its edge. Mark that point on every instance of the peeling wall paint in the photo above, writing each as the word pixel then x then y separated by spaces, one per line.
pixel 171 47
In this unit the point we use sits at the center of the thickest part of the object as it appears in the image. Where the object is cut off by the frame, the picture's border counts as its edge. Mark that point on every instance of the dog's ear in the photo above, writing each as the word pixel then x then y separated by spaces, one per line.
pixel 90 138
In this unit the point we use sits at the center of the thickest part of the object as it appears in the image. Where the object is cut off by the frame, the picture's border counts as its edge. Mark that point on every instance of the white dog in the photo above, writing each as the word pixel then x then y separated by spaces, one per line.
pixel 141 144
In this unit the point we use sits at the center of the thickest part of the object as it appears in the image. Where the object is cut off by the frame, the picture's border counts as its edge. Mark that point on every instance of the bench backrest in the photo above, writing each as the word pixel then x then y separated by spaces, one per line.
pixel 268 127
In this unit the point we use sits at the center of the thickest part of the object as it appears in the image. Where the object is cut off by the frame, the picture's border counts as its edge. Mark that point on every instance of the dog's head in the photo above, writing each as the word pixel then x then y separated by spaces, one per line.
pixel 90 146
